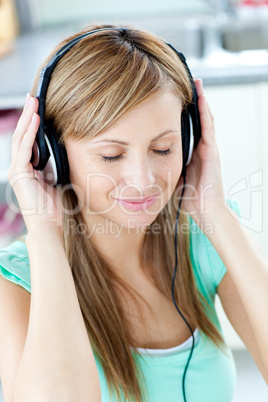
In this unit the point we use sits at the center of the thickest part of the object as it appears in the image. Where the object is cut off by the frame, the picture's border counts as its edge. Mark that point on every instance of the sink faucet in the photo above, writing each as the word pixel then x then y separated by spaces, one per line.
pixel 222 9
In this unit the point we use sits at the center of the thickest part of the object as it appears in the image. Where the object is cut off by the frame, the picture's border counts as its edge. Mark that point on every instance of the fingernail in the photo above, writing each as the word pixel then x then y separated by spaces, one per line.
pixel 31 100
pixel 26 106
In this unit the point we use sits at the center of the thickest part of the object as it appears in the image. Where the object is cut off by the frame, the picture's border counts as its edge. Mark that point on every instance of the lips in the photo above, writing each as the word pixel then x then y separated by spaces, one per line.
pixel 138 200
pixel 138 206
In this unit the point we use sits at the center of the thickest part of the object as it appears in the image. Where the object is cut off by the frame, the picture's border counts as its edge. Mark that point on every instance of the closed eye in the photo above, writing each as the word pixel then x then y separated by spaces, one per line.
pixel 110 159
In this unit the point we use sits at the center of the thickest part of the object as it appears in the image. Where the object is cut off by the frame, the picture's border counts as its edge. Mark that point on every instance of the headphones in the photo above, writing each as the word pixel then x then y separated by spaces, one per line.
pixel 50 157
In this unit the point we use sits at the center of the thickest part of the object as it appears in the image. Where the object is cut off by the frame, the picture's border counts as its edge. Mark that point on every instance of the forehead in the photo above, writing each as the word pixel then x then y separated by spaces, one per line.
pixel 158 113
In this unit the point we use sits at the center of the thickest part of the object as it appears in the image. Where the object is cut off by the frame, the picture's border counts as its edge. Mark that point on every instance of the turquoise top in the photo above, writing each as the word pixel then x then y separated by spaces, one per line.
pixel 211 375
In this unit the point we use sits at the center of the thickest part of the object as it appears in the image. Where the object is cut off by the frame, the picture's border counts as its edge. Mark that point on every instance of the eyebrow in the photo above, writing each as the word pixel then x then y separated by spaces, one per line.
pixel 126 143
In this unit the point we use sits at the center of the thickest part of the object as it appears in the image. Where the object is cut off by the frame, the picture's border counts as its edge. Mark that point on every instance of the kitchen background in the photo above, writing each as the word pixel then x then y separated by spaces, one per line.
pixel 226 44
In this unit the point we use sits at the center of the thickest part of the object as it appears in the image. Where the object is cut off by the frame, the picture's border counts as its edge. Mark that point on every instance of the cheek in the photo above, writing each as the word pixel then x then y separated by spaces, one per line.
pixel 98 190
pixel 89 175
pixel 75 169
pixel 171 169
pixel 99 183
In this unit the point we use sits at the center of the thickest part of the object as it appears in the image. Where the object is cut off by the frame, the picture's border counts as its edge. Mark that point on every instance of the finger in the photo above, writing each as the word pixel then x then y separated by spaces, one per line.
pixel 199 86
pixel 205 120
pixel 24 153
pixel 25 119
pixel 40 180
pixel 54 195
pixel 31 107
pixel 26 106
pixel 210 114
pixel 23 126
pixel 200 92
pixel 28 96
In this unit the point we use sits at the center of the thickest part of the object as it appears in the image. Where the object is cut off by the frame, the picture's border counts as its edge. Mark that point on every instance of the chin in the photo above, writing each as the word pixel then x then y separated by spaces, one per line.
pixel 136 221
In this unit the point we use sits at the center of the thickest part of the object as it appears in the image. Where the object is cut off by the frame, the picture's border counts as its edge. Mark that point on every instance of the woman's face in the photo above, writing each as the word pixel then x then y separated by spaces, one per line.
pixel 140 156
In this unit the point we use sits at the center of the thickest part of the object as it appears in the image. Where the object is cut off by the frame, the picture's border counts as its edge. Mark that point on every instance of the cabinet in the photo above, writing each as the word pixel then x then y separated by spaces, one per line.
pixel 242 139
pixel 240 113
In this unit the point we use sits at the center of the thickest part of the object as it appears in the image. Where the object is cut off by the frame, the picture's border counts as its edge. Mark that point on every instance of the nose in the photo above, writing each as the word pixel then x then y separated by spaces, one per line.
pixel 140 174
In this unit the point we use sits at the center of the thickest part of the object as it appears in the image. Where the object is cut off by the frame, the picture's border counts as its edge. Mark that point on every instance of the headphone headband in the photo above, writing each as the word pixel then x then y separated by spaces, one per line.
pixel 191 128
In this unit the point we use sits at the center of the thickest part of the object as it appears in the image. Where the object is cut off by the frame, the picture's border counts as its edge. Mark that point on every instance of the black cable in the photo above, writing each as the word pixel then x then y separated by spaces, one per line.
pixel 174 301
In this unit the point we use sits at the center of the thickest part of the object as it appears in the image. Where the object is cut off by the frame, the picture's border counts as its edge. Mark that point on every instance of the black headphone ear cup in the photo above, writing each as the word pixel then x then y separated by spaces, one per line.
pixel 56 170
pixel 187 139
pixel 60 156
pixel 185 134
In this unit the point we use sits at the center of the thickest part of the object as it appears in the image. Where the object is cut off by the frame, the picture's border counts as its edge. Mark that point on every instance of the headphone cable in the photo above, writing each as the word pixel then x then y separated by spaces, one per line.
pixel 174 301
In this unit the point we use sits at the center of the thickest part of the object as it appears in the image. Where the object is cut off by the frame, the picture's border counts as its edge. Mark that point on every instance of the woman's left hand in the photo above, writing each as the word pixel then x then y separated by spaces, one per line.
pixel 203 198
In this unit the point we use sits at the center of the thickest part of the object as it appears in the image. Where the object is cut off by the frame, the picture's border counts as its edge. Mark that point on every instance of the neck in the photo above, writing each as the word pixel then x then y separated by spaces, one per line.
pixel 120 245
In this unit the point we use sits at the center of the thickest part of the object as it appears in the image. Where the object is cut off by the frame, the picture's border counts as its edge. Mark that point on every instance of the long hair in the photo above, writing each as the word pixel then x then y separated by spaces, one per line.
pixel 102 77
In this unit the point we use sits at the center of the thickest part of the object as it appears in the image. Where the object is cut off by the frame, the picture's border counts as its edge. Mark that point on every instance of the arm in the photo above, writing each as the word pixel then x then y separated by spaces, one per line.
pixel 235 311
pixel 246 283
pixel 244 289
pixel 57 361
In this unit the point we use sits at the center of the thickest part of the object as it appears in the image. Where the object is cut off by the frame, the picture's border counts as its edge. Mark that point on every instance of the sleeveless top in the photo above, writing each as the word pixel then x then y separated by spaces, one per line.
pixel 211 375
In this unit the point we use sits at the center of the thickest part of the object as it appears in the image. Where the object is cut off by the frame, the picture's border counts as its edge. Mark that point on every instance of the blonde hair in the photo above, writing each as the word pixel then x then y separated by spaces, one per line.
pixel 102 77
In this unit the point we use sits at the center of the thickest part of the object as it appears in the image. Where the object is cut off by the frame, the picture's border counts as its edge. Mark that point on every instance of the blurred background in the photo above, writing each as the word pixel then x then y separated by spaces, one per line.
pixel 225 43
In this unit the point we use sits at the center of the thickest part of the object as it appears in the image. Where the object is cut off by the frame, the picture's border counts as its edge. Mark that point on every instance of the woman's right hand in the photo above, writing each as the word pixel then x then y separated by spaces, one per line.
pixel 39 202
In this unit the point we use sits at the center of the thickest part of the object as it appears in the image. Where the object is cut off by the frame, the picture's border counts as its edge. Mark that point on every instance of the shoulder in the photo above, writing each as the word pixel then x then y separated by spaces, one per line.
pixel 14 310
pixel 14 263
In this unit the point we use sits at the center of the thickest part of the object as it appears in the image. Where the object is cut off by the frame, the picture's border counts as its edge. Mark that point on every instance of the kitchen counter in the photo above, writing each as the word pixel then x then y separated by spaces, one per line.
pixel 18 69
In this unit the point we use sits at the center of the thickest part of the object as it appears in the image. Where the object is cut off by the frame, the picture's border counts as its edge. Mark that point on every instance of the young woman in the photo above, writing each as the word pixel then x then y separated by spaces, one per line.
pixel 94 317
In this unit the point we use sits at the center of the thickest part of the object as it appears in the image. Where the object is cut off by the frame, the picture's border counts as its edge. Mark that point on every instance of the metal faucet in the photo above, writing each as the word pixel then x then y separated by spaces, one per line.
pixel 222 9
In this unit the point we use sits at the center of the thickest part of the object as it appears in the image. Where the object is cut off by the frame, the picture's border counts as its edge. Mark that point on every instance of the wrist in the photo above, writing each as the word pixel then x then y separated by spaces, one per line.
pixel 44 232
pixel 220 219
